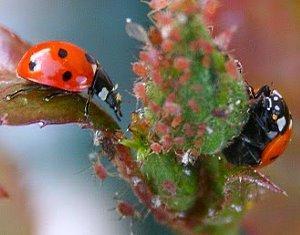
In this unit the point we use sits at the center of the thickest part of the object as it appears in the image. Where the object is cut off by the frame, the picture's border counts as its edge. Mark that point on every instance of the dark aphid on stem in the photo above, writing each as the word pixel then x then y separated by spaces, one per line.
pixel 125 209
pixel 100 170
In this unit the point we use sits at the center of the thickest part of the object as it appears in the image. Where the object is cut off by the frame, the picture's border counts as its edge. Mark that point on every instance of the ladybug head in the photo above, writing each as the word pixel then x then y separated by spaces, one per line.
pixel 106 91
pixel 277 111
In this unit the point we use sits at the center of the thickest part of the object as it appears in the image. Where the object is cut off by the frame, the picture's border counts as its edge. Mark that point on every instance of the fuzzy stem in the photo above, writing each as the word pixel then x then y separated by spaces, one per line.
pixel 194 103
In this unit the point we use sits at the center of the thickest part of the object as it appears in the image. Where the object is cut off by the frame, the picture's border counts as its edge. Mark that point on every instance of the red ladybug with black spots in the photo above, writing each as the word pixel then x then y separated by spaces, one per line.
pixel 267 132
pixel 69 68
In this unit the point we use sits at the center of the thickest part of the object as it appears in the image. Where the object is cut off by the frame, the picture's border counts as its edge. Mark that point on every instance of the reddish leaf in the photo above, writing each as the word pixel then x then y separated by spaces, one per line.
pixel 12 48
pixel 256 178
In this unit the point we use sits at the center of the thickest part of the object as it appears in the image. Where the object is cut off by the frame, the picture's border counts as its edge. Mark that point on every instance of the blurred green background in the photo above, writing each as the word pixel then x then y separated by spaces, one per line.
pixel 47 170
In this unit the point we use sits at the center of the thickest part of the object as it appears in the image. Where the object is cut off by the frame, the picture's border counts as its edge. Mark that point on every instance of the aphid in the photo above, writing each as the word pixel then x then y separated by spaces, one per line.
pixel 170 187
pixel 140 69
pixel 182 63
pixel 125 209
pixel 100 170
pixel 156 6
pixel 154 36
pixel 139 90
pixel 69 68
pixel 156 147
pixel 138 32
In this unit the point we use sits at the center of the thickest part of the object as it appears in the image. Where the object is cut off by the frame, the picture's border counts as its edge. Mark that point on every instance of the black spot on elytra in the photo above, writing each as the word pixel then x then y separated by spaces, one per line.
pixel 90 59
pixel 62 53
pixel 31 65
pixel 67 76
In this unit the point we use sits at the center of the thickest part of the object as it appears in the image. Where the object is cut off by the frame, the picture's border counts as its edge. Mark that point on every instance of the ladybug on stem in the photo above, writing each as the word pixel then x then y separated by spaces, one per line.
pixel 267 132
pixel 69 68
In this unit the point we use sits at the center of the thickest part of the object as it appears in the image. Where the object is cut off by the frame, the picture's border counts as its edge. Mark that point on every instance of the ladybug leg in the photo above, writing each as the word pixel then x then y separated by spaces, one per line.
pixel 55 94
pixel 22 91
pixel 253 156
pixel 252 142
pixel 260 123
pixel 88 101
pixel 250 90
pixel 87 107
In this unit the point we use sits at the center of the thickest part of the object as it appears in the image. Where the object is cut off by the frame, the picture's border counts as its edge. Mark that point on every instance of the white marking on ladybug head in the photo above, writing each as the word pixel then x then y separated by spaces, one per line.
pixel 275 92
pixel 281 122
pixel 103 93
pixel 270 103
pixel 277 108
pixel 275 98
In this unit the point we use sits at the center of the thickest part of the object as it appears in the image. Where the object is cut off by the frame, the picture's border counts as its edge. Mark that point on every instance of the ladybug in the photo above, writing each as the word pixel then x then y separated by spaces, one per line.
pixel 69 68
pixel 266 134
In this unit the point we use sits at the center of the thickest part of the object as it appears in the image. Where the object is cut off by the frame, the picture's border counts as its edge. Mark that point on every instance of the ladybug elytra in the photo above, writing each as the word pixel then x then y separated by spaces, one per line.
pixel 69 68
pixel 266 134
